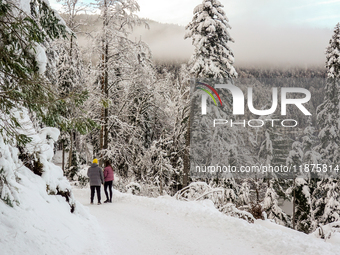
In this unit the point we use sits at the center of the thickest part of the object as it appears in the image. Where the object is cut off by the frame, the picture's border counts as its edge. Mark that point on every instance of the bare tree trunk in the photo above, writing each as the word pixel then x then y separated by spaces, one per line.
pixel 71 151
pixel 63 158
pixel 257 189
pixel 101 134
pixel 161 181
pixel 106 93
pixel 294 204
pixel 104 81
pixel 186 159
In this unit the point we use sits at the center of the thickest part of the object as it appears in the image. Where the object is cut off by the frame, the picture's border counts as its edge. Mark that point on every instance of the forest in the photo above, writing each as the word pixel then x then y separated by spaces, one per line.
pixel 109 99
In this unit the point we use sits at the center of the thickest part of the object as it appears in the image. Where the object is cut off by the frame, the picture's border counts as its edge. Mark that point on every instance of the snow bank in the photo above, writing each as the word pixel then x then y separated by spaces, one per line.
pixel 43 224
pixel 263 237
pixel 330 232
pixel 33 219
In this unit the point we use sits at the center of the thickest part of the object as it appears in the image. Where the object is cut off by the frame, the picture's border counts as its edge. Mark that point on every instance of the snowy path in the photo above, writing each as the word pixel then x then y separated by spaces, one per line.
pixel 139 225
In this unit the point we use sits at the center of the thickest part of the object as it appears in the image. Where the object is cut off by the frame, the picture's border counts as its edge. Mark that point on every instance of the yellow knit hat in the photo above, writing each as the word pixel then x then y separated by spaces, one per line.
pixel 95 161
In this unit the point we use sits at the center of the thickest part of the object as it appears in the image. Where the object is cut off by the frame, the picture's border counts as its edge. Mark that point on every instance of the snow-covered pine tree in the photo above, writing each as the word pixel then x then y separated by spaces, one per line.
pixel 302 205
pixel 114 48
pixel 295 155
pixel 243 194
pixel 70 80
pixel 25 35
pixel 265 152
pixel 310 155
pixel 326 205
pixel 212 59
pixel 294 160
pixel 208 29
pixel 28 96
pixel 271 207
pixel 122 92
pixel 266 149
pixel 328 113
pixel 171 91
pixel 230 189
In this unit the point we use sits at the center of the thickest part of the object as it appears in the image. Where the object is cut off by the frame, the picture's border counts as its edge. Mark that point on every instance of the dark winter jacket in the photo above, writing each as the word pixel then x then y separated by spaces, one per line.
pixel 95 173
pixel 108 174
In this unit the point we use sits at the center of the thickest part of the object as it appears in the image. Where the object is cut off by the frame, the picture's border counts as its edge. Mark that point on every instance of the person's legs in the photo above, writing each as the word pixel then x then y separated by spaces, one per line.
pixel 106 184
pixel 92 193
pixel 98 193
pixel 110 189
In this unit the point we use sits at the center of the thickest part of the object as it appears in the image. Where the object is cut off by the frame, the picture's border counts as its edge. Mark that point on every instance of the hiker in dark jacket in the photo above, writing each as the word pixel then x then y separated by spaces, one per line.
pixel 95 173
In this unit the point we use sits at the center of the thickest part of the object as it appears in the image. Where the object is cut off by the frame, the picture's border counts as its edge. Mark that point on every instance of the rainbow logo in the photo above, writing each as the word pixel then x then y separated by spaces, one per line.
pixel 208 92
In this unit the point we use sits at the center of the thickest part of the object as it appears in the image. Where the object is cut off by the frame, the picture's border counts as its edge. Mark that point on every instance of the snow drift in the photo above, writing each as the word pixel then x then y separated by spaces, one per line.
pixel 35 208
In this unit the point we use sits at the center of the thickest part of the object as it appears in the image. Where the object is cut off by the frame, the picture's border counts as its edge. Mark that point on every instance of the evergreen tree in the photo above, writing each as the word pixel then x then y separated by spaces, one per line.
pixel 29 98
pixel 266 149
pixel 70 79
pixel 295 155
pixel 328 113
pixel 24 83
pixel 271 207
pixel 244 193
pixel 326 205
pixel 310 155
pixel 209 32
pixel 302 214
pixel 212 59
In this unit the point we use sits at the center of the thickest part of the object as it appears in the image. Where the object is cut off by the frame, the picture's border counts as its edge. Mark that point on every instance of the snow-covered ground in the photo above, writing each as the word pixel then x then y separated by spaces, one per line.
pixel 139 225
pixel 43 224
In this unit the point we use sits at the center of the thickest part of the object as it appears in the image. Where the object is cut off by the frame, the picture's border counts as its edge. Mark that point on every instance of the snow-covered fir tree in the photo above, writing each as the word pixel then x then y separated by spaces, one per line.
pixel 266 148
pixel 295 156
pixel 70 79
pixel 326 205
pixel 29 100
pixel 328 113
pixel 302 219
pixel 26 34
pixel 299 192
pixel 208 29
pixel 243 194
pixel 271 207
pixel 310 155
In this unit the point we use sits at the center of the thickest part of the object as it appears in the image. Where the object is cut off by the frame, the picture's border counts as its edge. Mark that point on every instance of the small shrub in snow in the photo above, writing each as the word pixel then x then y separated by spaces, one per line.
pixel 231 210
pixel 80 178
pixel 31 161
pixel 67 195
pixel 200 190
pixel 256 210
pixel 271 207
pixel 327 231
pixel 133 188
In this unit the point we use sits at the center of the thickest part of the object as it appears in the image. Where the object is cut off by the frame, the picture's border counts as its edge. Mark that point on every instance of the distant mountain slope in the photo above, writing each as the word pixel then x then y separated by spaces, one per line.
pixel 256 45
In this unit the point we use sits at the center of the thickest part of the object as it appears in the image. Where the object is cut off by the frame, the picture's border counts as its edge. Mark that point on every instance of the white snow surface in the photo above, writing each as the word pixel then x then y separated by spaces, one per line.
pixel 43 224
pixel 164 225
pixel 40 222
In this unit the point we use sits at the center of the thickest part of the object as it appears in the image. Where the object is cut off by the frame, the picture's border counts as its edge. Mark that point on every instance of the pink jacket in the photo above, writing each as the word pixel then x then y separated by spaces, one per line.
pixel 108 174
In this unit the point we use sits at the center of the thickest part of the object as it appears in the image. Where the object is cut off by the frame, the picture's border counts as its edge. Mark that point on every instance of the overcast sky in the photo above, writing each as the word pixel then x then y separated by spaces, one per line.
pixel 288 32
pixel 311 13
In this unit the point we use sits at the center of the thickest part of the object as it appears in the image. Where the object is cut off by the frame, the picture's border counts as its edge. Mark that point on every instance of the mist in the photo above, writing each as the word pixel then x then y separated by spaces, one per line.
pixel 255 44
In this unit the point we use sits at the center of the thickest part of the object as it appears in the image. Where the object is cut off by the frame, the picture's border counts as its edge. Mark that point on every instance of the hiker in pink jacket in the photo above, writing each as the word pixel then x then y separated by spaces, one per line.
pixel 108 178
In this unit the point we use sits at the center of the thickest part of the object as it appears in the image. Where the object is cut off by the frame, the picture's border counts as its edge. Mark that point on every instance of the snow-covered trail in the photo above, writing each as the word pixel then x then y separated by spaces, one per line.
pixel 138 225
pixel 142 229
